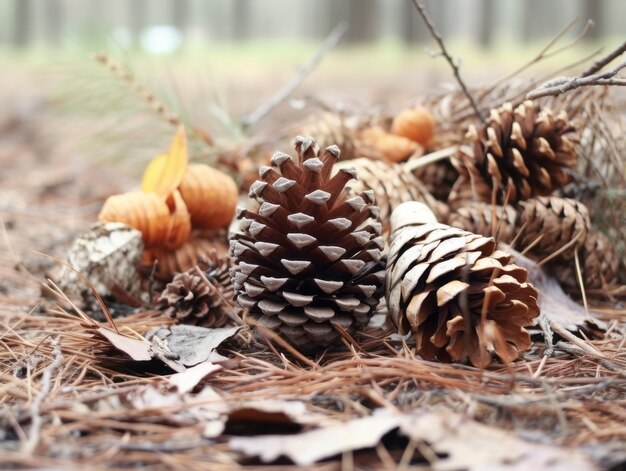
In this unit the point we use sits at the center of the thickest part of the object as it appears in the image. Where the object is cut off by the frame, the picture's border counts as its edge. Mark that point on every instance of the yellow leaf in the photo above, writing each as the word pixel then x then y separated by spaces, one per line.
pixel 165 172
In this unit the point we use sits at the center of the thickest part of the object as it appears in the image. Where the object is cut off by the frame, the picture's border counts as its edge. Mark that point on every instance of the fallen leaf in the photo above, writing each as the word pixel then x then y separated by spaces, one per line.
pixel 165 172
pixel 306 448
pixel 138 350
pixel 193 344
pixel 185 381
pixel 463 443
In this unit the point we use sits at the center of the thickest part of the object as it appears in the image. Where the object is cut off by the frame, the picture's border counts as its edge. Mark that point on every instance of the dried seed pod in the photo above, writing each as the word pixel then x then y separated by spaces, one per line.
pixel 550 224
pixel 210 195
pixel 417 124
pixel 202 295
pixel 391 184
pixel 459 296
pixel 201 244
pixel 159 224
pixel 486 219
pixel 525 152
pixel 389 146
pixel 600 265
pixel 310 258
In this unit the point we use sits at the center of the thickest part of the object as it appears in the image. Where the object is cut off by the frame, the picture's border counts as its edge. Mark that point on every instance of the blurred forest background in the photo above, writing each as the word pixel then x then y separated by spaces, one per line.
pixel 25 23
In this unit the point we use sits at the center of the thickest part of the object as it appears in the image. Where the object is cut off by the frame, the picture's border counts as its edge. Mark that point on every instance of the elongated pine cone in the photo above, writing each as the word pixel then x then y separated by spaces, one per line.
pixel 459 296
pixel 527 150
pixel 486 219
pixel 600 265
pixel 552 224
pixel 312 254
pixel 192 298
pixel 392 186
pixel 210 196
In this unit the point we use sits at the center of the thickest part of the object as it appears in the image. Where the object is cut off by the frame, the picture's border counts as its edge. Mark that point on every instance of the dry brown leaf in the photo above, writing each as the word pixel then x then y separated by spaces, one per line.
pixel 185 381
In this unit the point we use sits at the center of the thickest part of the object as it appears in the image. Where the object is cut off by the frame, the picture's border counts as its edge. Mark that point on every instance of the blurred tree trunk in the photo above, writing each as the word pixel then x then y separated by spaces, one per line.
pixel 362 18
pixel 180 14
pixel 242 19
pixel 21 23
pixel 138 12
pixel 593 9
pixel 54 21
pixel 486 23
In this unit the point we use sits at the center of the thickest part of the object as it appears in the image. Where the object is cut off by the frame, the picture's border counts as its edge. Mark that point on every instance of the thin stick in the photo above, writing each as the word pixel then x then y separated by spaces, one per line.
pixel 301 73
pixel 600 63
pixel 562 85
pixel 444 52
pixel 416 162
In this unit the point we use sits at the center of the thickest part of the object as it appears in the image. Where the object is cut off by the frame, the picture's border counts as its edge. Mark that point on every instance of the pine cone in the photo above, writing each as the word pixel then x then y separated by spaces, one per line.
pixel 478 217
pixel 438 178
pixel 600 266
pixel 311 256
pixel 392 186
pixel 458 296
pixel 550 223
pixel 192 298
pixel 527 150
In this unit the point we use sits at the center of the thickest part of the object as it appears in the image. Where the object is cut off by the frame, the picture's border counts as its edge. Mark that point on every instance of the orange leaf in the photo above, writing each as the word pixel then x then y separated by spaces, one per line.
pixel 165 172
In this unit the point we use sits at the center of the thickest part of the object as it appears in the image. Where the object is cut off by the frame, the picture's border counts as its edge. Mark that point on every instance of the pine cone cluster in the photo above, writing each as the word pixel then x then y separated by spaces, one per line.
pixel 311 257
pixel 459 296
pixel 525 152
pixel 202 295
pixel 486 219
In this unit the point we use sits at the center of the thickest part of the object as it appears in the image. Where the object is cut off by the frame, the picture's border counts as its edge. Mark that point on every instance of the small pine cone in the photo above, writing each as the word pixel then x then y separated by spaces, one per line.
pixel 526 150
pixel 478 217
pixel 334 128
pixel 392 186
pixel 458 296
pixel 600 265
pixel 549 224
pixel 311 256
pixel 192 298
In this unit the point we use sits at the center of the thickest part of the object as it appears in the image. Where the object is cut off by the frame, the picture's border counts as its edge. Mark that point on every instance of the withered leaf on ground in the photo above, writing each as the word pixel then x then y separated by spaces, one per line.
pixel 465 443
pixel 138 350
pixel 193 344
pixel 186 380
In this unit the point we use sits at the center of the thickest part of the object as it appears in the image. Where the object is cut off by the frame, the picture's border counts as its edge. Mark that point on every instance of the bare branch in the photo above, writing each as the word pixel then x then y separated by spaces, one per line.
pixel 301 73
pixel 600 63
pixel 562 85
pixel 448 57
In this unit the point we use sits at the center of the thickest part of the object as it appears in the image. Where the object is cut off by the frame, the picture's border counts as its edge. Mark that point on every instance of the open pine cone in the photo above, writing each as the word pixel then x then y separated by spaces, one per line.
pixel 391 184
pixel 527 150
pixel 459 297
pixel 550 224
pixel 311 256
pixel 478 217
pixel 202 296
pixel 599 263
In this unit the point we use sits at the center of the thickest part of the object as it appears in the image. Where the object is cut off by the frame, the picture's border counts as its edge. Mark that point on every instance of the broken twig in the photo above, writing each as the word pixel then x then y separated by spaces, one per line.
pixel 444 52
pixel 301 73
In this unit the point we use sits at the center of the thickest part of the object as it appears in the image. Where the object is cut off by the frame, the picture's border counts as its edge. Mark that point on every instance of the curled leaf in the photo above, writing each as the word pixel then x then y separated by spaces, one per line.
pixel 165 173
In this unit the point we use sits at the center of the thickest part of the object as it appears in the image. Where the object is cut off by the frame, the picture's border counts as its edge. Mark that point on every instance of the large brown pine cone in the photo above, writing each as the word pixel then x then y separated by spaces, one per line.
pixel 478 217
pixel 392 186
pixel 550 224
pixel 311 256
pixel 202 296
pixel 526 151
pixel 600 265
pixel 459 296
